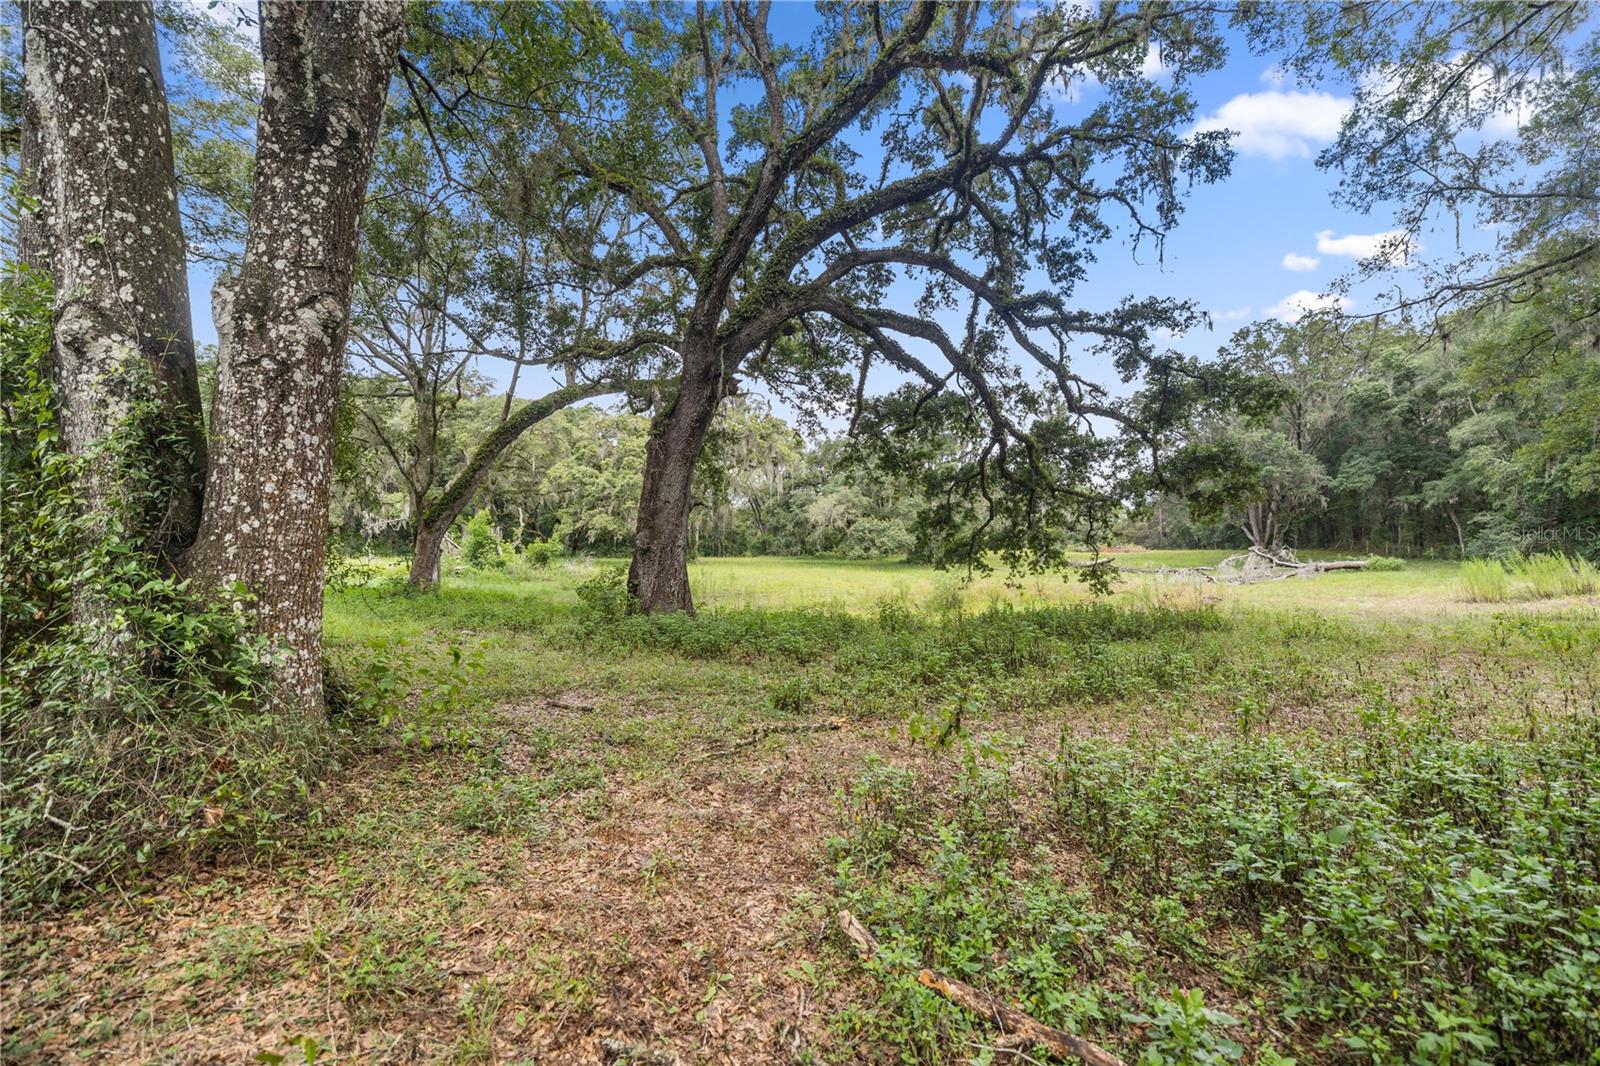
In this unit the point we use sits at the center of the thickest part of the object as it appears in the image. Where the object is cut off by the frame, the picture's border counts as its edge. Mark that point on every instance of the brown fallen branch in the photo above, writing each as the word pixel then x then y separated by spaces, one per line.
pixel 1018 1026
pixel 1203 572
pixel 766 731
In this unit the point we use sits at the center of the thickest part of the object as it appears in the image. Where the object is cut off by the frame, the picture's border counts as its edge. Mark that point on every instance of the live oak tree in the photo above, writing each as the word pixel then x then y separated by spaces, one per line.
pixel 770 241
pixel 456 275
pixel 414 338
pixel 117 258
pixel 527 275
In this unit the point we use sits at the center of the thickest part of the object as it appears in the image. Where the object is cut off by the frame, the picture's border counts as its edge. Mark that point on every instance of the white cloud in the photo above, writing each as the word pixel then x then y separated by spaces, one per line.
pixel 1279 124
pixel 1302 302
pixel 1152 67
pixel 1275 76
pixel 1393 245
pixel 1300 263
pixel 1233 314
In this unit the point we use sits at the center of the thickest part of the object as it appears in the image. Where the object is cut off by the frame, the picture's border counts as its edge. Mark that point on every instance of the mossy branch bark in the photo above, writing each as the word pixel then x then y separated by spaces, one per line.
pixel 436 518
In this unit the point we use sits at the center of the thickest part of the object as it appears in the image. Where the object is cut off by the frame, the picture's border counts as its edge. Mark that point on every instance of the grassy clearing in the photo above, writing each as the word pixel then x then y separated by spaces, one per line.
pixel 533 598
pixel 1193 829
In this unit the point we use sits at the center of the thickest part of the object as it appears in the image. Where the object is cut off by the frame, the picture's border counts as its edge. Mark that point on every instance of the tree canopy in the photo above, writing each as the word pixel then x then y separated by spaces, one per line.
pixel 755 239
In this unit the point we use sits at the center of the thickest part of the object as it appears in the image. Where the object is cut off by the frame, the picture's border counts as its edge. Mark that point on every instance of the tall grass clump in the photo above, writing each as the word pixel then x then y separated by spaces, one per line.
pixel 1585 577
pixel 1551 574
pixel 1485 581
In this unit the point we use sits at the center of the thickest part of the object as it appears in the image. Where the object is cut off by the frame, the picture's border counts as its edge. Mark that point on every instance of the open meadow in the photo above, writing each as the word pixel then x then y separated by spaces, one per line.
pixel 1342 818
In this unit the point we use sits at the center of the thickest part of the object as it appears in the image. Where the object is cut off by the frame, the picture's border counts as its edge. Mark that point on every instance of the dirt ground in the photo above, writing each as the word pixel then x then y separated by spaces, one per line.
pixel 671 917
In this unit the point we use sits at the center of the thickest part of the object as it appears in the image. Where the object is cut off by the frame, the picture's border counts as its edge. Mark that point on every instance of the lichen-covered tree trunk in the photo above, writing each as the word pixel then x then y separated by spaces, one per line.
pixel 281 321
pixel 427 551
pixel 658 577
pixel 99 150
pixel 32 234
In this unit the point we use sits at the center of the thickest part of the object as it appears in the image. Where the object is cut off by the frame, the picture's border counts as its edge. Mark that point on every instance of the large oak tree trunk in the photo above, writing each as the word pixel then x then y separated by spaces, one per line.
pixel 658 578
pixel 281 322
pixel 98 151
pixel 427 551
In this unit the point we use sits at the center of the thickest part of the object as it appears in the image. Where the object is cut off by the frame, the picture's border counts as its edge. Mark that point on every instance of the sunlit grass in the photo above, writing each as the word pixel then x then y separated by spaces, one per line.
pixel 526 599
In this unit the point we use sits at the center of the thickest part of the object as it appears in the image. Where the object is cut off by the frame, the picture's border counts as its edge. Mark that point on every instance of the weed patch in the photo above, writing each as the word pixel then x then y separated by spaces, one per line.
pixel 1407 891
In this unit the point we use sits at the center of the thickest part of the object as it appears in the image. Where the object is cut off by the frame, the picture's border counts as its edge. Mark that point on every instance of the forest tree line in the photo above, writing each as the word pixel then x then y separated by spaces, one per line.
pixel 1472 441
pixel 1476 437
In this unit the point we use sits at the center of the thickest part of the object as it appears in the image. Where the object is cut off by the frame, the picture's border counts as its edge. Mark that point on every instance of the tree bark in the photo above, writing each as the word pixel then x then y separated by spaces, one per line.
pixel 108 229
pixel 32 235
pixel 427 549
pixel 1461 538
pixel 282 319
pixel 658 577
pixel 434 520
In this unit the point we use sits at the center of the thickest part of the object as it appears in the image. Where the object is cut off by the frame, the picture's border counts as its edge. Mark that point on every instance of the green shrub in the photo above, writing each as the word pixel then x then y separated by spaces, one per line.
pixel 1183 1031
pixel 539 554
pixel 885 814
pixel 480 542
pixel 604 595
pixel 1484 581
pixel 877 538
pixel 953 894
pixel 496 804
pixel 1415 892
pixel 946 600
pixel 421 697
pixel 793 696
pixel 1385 564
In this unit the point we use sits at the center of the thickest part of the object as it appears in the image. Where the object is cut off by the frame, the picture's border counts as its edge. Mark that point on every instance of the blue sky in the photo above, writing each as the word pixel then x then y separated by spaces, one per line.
pixel 1266 242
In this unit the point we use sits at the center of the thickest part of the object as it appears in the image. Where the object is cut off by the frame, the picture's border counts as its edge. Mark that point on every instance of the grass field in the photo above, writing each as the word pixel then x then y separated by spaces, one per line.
pixel 1348 818
pixel 1428 590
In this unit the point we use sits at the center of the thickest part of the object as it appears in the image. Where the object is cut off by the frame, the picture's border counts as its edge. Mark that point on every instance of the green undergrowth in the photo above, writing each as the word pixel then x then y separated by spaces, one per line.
pixel 135 715
pixel 1266 835
pixel 1394 893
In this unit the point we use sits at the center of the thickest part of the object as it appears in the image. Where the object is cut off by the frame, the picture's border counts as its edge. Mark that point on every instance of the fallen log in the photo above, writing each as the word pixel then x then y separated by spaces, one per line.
pixel 1312 567
pixel 1020 1027
pixel 1258 564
